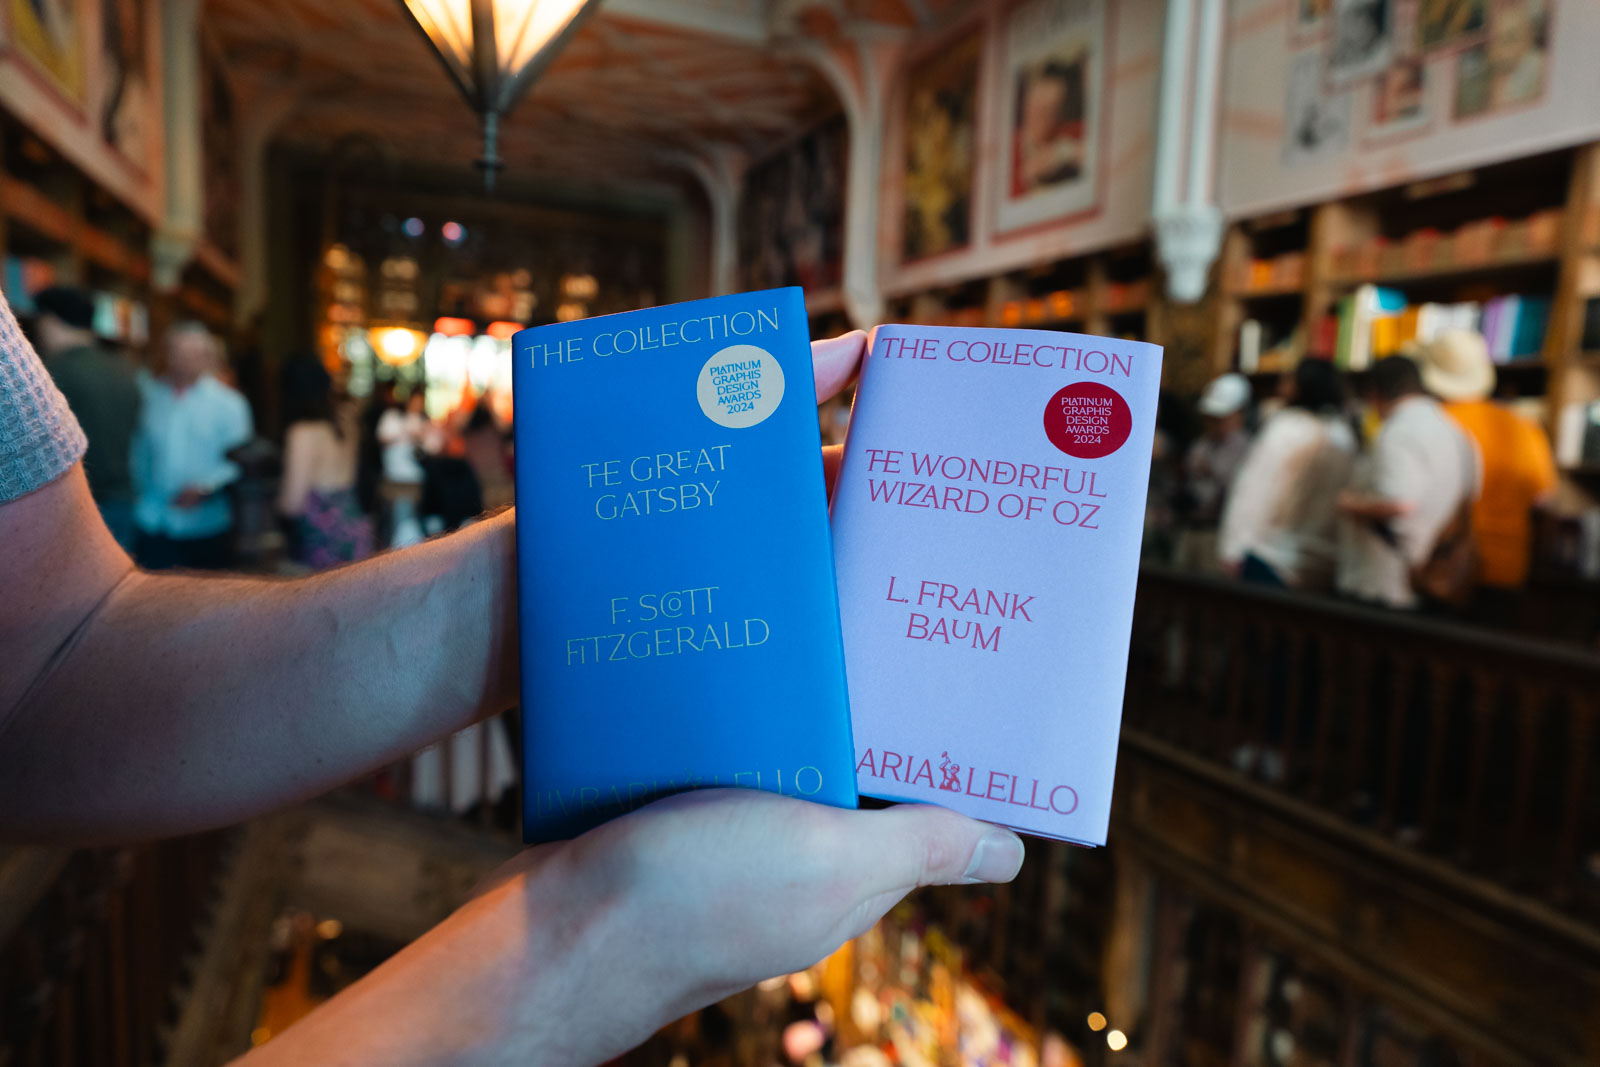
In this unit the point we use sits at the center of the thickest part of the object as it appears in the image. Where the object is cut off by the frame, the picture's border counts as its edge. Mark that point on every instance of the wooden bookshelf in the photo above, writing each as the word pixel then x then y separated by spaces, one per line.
pixel 1114 292
pixel 1526 227
pixel 53 214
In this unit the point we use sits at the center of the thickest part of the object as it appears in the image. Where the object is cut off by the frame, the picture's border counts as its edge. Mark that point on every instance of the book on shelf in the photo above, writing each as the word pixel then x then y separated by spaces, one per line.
pixel 1527 336
pixel 1590 341
pixel 1374 322
pixel 1357 313
pixel 1249 346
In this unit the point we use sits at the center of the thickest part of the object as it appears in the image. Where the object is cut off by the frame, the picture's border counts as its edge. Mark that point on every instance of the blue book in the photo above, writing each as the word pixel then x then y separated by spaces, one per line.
pixel 1533 315
pixel 679 616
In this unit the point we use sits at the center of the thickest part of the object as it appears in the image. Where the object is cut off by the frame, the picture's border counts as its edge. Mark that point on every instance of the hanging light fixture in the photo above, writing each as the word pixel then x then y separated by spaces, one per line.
pixel 494 49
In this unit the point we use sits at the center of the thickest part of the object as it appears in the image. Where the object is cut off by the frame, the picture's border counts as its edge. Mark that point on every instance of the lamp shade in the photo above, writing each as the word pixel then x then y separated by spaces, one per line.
pixel 494 49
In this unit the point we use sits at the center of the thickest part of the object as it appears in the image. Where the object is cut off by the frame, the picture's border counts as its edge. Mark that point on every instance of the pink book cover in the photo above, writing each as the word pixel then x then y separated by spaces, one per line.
pixel 987 523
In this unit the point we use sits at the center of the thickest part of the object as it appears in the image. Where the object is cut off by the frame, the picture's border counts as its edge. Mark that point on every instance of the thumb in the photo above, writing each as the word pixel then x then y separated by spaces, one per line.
pixel 834 362
pixel 917 844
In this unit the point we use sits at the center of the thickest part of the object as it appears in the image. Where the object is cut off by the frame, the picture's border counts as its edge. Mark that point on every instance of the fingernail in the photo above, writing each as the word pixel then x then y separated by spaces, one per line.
pixel 997 858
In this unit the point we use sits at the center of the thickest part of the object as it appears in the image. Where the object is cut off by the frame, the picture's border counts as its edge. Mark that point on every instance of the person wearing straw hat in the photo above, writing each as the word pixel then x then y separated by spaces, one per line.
pixel 1518 468
pixel 1419 474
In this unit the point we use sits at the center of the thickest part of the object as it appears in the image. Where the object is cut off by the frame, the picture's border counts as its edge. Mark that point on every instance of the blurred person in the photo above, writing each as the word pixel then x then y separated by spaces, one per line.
pixel 484 446
pixel 103 392
pixel 1518 468
pixel 127 711
pixel 402 432
pixel 1280 523
pixel 320 450
pixel 1209 469
pixel 1421 472
pixel 181 471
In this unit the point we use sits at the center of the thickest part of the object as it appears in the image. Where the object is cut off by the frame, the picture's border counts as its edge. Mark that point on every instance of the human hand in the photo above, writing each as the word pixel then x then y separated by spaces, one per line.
pixel 578 951
pixel 1372 506
pixel 834 363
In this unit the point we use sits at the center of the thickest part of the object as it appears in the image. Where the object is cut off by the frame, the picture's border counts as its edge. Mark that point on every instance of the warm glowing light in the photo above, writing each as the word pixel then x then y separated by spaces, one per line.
pixel 1116 1040
pixel 579 287
pixel 503 330
pixel 328 929
pixel 453 232
pixel 493 49
pixel 569 312
pixel 1097 1022
pixel 337 257
pixel 397 345
pixel 453 327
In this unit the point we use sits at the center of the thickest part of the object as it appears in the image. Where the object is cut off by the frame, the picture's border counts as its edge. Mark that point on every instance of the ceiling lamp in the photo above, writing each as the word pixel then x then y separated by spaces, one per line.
pixel 494 49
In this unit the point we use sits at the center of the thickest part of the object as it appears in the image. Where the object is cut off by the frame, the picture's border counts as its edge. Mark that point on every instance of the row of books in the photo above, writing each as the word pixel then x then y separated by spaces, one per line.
pixel 1375 321
pixel 1280 273
pixel 1481 243
pixel 1064 304
pixel 116 317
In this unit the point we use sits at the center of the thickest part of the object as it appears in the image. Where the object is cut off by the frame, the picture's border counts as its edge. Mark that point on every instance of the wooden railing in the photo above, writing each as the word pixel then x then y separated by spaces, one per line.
pixel 1469 747
pixel 96 947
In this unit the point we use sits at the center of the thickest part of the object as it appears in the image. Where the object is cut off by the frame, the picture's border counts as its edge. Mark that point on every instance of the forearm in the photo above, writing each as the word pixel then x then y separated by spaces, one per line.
pixel 532 971
pixel 183 703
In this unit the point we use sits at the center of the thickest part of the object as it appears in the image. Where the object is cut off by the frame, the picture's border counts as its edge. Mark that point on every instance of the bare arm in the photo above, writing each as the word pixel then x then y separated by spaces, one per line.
pixel 136 705
pixel 582 949
pixel 297 457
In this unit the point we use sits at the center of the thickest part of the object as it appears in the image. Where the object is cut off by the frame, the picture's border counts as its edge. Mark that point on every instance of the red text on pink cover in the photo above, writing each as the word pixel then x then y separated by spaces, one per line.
pixel 980 484
pixel 958 614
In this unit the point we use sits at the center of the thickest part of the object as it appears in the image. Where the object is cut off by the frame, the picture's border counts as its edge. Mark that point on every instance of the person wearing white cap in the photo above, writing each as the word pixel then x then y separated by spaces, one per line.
pixel 1518 468
pixel 1210 467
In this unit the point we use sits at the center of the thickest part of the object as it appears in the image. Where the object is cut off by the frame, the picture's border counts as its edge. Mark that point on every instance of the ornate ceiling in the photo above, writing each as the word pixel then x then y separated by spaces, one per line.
pixel 644 83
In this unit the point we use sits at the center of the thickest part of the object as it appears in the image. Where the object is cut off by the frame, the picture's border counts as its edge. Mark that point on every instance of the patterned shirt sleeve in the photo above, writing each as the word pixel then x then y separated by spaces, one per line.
pixel 39 437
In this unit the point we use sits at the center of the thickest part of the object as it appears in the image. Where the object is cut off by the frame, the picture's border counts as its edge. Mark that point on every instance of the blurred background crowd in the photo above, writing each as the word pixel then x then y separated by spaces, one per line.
pixel 183 479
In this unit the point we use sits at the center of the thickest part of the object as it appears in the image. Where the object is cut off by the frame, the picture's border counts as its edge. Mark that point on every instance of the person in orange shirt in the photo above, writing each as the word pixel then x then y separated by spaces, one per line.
pixel 1519 471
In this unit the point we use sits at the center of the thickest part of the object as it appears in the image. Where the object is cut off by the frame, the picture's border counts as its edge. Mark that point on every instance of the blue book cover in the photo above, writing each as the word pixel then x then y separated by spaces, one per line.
pixel 1527 339
pixel 679 617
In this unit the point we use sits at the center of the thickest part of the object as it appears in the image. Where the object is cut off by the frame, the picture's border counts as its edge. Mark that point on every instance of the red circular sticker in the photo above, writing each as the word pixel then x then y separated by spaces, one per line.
pixel 1087 420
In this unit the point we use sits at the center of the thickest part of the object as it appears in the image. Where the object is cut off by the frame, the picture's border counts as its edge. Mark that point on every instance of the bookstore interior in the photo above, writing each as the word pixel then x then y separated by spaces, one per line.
pixel 1316 281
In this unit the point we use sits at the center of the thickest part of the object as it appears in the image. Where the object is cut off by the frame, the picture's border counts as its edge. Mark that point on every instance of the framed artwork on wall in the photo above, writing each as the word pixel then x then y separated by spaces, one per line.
pixel 220 150
pixel 1400 99
pixel 126 101
pixel 1362 40
pixel 791 213
pixel 1053 89
pixel 1316 123
pixel 1308 19
pixel 1447 23
pixel 1507 69
pixel 49 33
pixel 941 131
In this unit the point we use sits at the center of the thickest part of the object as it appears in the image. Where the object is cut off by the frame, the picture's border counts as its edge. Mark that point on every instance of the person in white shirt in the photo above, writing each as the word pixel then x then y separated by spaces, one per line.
pixel 189 423
pixel 1210 469
pixel 401 433
pixel 1280 524
pixel 1422 468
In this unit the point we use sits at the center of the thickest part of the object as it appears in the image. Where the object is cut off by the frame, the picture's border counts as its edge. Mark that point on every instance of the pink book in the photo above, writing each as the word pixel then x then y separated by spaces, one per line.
pixel 986 526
